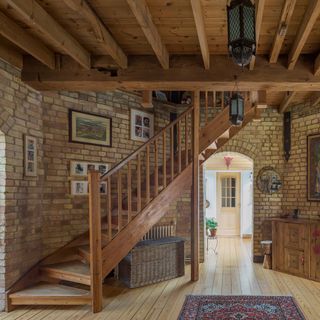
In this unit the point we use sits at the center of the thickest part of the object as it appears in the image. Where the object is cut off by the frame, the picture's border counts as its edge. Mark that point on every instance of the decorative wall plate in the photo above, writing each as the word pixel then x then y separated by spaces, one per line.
pixel 269 180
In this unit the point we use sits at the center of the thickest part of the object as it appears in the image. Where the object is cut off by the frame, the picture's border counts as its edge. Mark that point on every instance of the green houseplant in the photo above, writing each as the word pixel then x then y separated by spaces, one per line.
pixel 211 225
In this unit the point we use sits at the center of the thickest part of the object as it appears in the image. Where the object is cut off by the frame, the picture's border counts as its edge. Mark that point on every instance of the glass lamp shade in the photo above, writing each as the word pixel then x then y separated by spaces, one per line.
pixel 236 109
pixel 241 31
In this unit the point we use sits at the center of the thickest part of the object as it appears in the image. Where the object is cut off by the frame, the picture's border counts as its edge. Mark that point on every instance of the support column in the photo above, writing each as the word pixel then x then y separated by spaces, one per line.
pixel 195 189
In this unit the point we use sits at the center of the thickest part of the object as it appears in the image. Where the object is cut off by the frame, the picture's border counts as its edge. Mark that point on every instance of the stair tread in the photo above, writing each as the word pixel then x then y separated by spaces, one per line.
pixel 50 290
pixel 72 267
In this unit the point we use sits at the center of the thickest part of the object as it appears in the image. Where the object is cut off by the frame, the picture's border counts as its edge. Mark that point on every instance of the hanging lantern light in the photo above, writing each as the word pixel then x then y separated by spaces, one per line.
pixel 241 31
pixel 236 109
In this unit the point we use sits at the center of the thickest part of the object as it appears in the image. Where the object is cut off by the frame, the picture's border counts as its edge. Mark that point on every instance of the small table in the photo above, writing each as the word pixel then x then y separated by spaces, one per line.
pixel 215 238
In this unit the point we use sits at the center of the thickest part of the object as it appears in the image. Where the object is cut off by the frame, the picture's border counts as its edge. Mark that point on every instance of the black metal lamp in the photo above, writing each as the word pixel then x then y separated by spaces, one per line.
pixel 236 110
pixel 241 31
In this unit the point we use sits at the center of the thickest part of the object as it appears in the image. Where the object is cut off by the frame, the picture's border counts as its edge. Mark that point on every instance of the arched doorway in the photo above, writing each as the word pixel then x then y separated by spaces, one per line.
pixel 229 193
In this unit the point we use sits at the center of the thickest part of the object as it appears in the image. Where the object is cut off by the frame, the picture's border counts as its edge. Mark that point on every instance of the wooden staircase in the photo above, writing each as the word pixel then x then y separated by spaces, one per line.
pixel 139 192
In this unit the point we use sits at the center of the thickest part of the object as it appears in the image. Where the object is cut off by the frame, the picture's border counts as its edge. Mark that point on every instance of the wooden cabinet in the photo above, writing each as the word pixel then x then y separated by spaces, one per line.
pixel 296 247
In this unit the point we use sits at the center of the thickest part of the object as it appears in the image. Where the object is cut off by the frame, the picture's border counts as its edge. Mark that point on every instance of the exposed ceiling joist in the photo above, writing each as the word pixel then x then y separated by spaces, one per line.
pixel 11 31
pixel 40 19
pixel 285 18
pixel 259 15
pixel 147 99
pixel 259 99
pixel 10 55
pixel 286 101
pixel 103 36
pixel 144 18
pixel 201 31
pixel 185 73
pixel 315 99
pixel 309 19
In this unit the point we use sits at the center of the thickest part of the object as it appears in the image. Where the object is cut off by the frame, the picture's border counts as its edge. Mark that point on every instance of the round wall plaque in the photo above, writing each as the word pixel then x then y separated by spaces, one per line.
pixel 269 180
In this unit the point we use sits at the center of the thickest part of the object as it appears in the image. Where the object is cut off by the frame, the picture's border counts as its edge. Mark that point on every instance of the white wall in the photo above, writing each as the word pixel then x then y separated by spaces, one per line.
pixel 246 203
pixel 211 193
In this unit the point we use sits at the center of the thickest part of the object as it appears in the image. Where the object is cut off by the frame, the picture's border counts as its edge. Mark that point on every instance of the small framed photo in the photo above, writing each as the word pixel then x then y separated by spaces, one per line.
pixel 90 128
pixel 141 125
pixel 79 188
pixel 78 168
pixel 30 156
pixel 103 188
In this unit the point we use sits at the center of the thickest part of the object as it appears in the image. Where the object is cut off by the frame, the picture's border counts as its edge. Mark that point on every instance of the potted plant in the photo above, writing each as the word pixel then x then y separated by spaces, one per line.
pixel 211 225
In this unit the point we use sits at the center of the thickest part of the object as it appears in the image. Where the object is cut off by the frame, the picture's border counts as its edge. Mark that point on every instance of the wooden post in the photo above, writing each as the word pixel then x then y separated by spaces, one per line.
pixel 129 193
pixel 195 190
pixel 95 240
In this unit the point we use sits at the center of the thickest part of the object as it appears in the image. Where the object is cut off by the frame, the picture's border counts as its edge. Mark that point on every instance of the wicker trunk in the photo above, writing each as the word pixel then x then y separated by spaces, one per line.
pixel 152 261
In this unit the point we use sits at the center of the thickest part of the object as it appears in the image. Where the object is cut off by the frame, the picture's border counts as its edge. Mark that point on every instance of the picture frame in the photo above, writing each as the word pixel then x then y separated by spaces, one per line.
pixel 30 156
pixel 81 188
pixel 141 125
pixel 88 128
pixel 313 167
pixel 81 168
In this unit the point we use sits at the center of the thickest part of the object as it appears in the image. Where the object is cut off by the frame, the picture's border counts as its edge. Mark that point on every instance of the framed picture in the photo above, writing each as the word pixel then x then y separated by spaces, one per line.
pixel 30 156
pixel 81 188
pixel 142 125
pixel 313 142
pixel 89 128
pixel 81 169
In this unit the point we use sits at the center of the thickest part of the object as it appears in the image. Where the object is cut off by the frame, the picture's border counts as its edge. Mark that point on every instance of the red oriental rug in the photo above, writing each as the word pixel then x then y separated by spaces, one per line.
pixel 240 308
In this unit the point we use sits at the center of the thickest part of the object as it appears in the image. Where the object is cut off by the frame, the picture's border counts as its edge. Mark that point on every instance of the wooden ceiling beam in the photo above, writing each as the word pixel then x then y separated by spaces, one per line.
pixel 306 26
pixel 259 4
pixel 201 31
pixel 185 73
pixel 10 55
pixel 285 18
pixel 103 36
pixel 41 20
pixel 14 33
pixel 286 101
pixel 142 13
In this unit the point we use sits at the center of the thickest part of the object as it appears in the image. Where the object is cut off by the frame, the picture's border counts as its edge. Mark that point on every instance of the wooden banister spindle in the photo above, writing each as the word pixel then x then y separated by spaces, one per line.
pixel 119 182
pixel 214 99
pixel 222 99
pixel 164 160
pixel 186 140
pixel 206 107
pixel 95 240
pixel 179 146
pixel 156 168
pixel 139 182
pixel 109 208
pixel 148 173
pixel 129 193
pixel 172 153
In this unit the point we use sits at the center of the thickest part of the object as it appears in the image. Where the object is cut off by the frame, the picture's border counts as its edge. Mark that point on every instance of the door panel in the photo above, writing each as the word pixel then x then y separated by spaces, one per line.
pixel 228 204
pixel 294 261
pixel 315 252
pixel 295 236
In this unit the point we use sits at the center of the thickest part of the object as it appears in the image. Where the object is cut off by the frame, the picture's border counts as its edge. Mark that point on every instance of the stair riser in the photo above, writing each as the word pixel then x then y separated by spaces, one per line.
pixel 66 276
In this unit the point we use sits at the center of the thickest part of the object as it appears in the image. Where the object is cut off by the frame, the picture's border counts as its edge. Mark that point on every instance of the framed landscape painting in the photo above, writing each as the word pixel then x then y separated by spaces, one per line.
pixel 89 128
pixel 142 125
pixel 314 167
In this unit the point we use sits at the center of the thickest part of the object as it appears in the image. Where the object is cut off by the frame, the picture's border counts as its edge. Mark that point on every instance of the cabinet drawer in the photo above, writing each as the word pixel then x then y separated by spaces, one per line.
pixel 295 236
pixel 294 261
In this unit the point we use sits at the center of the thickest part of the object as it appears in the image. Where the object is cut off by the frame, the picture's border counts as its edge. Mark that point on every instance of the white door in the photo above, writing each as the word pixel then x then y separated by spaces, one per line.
pixel 228 204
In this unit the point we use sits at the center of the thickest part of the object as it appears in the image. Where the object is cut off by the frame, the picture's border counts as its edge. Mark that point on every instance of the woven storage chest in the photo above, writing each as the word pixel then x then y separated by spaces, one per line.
pixel 152 261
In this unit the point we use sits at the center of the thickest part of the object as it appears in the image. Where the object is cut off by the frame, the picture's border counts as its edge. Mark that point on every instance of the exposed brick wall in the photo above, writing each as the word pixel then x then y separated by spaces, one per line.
pixel 20 114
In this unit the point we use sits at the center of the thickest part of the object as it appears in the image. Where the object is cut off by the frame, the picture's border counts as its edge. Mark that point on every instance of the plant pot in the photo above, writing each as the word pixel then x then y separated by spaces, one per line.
pixel 213 232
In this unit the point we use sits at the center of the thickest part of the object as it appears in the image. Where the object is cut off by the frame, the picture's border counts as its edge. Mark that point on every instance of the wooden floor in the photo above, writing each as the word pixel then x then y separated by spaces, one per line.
pixel 228 272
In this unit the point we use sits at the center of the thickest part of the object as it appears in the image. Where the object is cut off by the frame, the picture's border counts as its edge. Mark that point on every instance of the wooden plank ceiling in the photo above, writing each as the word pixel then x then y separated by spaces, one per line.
pixel 114 34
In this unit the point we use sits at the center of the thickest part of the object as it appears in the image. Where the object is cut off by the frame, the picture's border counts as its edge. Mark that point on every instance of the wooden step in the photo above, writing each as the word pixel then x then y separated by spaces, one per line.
pixel 73 271
pixel 50 294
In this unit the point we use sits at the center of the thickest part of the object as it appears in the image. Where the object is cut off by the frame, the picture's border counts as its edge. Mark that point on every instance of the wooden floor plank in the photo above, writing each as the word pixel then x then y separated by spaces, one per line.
pixel 230 271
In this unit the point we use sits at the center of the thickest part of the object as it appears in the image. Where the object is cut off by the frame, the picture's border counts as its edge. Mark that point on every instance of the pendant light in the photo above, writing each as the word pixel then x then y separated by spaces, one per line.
pixel 236 109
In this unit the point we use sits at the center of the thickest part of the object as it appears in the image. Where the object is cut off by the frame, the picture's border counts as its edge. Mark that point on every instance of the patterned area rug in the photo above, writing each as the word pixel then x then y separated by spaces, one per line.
pixel 240 308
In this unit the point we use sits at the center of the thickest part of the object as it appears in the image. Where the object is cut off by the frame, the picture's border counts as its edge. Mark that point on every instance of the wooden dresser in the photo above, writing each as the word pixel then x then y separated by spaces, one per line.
pixel 296 247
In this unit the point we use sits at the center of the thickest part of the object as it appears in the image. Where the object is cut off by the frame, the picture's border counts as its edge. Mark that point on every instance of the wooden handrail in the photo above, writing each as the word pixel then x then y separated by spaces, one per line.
pixel 151 140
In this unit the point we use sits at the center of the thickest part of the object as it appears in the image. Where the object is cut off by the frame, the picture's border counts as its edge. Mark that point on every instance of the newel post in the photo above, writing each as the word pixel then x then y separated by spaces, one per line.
pixel 95 240
pixel 195 189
